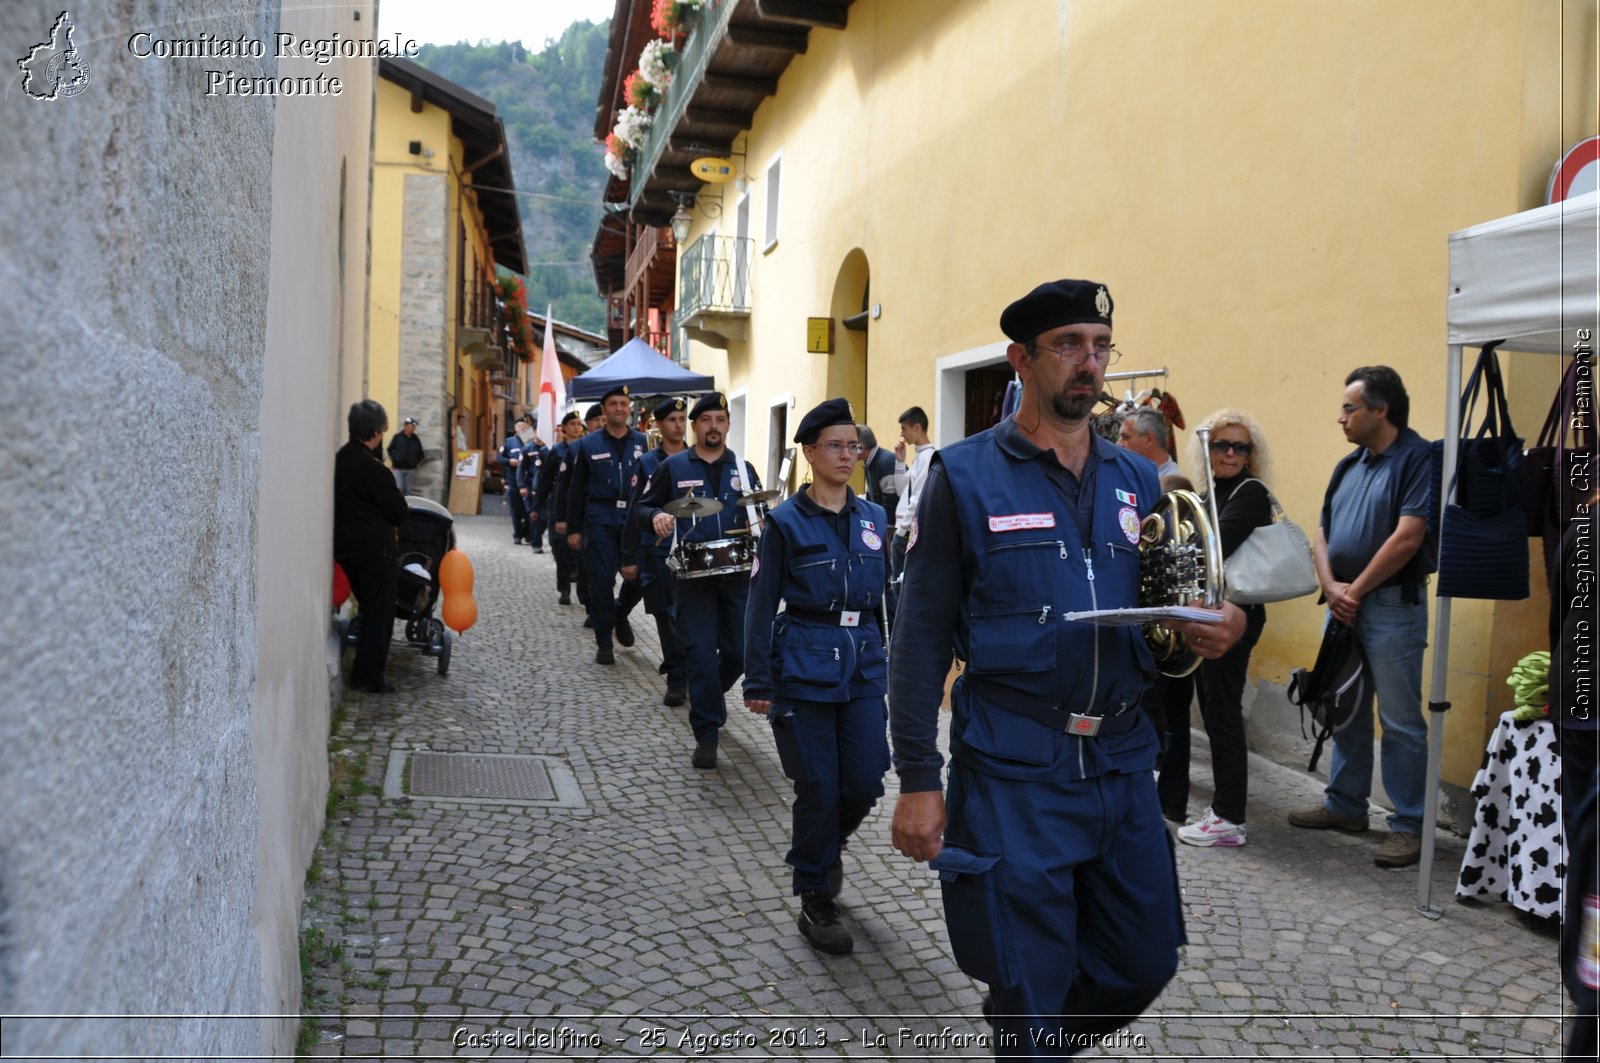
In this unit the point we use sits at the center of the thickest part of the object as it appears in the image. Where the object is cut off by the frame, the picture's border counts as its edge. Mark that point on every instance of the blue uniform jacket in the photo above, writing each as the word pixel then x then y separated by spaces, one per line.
pixel 640 541
pixel 602 479
pixel 1000 551
pixel 818 561
pixel 510 451
pixel 533 459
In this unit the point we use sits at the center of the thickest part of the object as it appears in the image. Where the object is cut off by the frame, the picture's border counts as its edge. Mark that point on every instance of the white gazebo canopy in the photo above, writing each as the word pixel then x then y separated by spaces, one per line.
pixel 1529 279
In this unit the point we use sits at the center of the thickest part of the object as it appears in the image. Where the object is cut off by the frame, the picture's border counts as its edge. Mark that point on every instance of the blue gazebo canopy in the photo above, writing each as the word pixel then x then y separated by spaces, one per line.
pixel 645 370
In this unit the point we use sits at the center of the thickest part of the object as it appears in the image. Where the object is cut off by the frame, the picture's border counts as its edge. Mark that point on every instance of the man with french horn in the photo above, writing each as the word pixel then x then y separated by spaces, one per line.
pixel 1058 874
pixel 698 496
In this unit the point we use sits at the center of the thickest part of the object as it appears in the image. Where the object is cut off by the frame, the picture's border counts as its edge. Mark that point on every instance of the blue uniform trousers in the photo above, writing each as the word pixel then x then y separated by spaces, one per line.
pixel 836 753
pixel 602 559
pixel 711 628
pixel 567 566
pixel 657 585
pixel 1063 896
pixel 518 507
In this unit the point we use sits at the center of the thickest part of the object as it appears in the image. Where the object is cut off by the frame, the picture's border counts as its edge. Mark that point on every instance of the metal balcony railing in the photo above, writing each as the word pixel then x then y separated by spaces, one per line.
pixel 696 54
pixel 714 276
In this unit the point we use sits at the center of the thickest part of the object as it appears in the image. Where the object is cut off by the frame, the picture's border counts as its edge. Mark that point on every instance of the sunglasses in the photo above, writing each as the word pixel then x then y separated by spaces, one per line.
pixel 1222 446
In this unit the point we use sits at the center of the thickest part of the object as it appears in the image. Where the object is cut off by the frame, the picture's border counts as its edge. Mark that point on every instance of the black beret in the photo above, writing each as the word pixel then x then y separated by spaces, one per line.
pixel 711 400
pixel 668 408
pixel 594 411
pixel 572 415
pixel 824 415
pixel 617 389
pixel 1063 302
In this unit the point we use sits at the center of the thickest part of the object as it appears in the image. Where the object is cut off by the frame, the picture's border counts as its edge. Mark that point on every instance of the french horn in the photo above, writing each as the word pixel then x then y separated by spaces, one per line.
pixel 1180 563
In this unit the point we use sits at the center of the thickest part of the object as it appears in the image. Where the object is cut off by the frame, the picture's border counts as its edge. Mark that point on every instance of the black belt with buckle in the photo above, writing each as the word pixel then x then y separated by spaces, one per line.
pixel 1052 715
pixel 838 618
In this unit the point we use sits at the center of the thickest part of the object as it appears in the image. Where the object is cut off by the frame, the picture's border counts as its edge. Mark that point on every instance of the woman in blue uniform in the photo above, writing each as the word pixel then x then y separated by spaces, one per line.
pixel 818 670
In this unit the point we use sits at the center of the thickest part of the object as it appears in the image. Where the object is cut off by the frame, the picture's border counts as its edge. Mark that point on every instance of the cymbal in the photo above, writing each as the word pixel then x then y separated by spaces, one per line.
pixel 692 506
pixel 755 498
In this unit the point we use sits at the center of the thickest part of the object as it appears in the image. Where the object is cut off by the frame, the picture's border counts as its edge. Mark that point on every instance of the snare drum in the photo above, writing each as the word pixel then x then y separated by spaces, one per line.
pixel 713 557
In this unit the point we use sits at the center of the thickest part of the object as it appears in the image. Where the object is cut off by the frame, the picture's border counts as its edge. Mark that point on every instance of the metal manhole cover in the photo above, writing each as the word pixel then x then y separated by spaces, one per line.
pixel 477 775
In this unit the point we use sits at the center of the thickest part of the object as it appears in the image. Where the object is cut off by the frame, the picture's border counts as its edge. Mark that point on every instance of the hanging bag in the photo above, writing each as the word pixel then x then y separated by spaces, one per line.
pixel 1554 467
pixel 1273 565
pixel 1483 542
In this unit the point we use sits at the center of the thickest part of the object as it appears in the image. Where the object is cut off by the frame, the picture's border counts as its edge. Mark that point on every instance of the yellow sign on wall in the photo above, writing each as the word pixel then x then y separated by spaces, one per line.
pixel 819 335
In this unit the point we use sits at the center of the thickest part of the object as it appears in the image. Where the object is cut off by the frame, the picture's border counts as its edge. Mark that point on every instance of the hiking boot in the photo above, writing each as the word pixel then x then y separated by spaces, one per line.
pixel 674 696
pixel 836 875
pixel 819 922
pixel 1212 829
pixel 603 655
pixel 1398 850
pixel 705 755
pixel 624 631
pixel 1320 818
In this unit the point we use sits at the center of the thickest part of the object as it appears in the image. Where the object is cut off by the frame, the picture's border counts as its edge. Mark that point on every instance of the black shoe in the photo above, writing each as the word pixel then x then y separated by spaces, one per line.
pixel 565 599
pixel 836 875
pixel 705 755
pixel 674 697
pixel 382 686
pixel 603 655
pixel 624 631
pixel 538 549
pixel 588 622
pixel 819 922
pixel 516 540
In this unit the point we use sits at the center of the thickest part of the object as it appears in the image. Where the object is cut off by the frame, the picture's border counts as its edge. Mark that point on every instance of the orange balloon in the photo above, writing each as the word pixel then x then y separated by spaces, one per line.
pixel 455 573
pixel 459 612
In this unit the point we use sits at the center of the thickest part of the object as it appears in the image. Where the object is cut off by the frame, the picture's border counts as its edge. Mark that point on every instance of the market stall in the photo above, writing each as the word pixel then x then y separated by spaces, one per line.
pixel 1532 280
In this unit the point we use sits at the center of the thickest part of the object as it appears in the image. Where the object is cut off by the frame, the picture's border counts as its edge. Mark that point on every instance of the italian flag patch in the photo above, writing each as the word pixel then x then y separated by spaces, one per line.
pixel 1126 498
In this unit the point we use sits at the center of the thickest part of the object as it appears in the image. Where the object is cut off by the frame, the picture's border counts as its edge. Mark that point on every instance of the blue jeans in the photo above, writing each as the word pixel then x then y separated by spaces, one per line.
pixel 1393 636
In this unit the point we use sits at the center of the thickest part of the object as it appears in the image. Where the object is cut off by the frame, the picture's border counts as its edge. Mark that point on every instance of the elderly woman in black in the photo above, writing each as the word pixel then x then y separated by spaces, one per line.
pixel 818 670
pixel 1240 465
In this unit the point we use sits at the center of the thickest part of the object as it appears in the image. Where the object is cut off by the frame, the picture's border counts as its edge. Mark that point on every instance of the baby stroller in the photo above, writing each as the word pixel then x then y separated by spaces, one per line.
pixel 426 536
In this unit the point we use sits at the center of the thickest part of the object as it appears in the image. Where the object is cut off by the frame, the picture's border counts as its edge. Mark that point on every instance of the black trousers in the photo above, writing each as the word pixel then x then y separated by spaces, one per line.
pixel 1220 686
pixel 375 581
pixel 519 511
pixel 1578 815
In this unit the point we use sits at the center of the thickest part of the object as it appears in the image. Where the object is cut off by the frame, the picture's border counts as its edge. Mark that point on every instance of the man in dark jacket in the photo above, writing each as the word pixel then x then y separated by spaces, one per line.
pixel 405 454
pixel 368 510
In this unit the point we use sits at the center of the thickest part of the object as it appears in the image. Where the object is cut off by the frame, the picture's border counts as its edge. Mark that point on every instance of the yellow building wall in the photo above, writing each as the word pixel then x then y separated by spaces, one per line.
pixel 396 127
pixel 1266 189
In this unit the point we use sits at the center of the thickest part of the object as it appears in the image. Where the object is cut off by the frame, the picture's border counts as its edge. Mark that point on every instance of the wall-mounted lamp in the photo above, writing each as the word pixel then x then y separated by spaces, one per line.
pixel 683 218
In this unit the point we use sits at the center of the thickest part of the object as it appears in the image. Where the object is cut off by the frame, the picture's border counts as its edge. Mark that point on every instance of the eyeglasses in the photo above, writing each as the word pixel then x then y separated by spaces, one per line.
pixel 1222 446
pixel 835 449
pixel 1073 351
pixel 1352 407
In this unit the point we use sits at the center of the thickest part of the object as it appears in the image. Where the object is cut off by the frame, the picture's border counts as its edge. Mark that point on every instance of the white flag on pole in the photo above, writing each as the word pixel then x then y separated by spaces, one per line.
pixel 552 388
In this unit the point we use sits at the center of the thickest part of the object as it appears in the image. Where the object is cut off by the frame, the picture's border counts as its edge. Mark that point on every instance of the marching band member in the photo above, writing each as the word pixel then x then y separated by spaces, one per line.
pixel 710 608
pixel 603 468
pixel 647 561
pixel 817 670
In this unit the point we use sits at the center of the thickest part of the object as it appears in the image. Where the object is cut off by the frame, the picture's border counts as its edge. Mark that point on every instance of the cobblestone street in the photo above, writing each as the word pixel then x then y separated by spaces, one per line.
pixel 644 908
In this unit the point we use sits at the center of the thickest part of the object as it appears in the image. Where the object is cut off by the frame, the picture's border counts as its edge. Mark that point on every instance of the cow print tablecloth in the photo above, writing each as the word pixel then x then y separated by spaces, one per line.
pixel 1515 852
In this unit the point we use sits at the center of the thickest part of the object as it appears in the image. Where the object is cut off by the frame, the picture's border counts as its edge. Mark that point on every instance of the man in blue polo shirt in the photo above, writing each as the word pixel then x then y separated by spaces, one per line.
pixel 603 467
pixel 1373 555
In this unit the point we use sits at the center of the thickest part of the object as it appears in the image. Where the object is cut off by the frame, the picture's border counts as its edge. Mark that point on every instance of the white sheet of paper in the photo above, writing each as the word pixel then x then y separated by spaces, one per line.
pixel 1146 615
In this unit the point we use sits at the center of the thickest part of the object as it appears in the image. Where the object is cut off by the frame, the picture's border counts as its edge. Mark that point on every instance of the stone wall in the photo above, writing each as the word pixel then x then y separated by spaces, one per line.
pixel 152 848
pixel 424 335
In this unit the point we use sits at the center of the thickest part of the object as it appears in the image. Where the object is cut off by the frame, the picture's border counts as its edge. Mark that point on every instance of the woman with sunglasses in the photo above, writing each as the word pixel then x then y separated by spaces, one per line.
pixel 818 670
pixel 1240 466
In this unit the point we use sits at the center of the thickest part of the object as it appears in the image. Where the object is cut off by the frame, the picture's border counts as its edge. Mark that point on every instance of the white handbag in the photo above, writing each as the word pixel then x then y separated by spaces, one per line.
pixel 1273 565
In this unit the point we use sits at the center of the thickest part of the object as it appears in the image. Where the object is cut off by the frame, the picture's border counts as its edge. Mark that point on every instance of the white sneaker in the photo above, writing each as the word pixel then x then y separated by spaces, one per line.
pixel 1212 829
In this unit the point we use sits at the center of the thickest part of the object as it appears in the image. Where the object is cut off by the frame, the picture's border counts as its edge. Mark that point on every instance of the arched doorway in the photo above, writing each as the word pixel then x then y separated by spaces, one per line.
pixel 850 310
